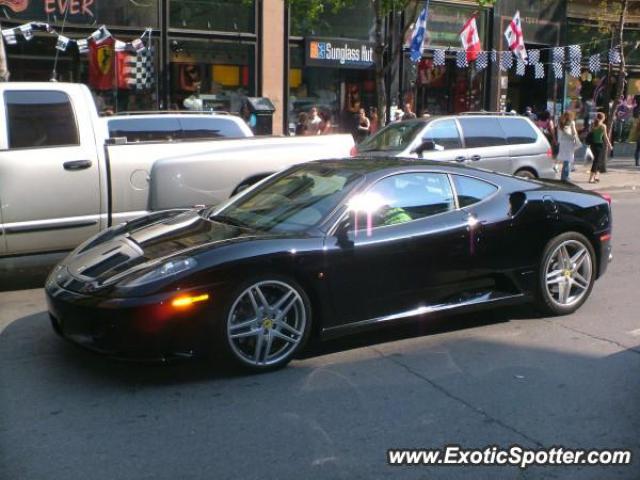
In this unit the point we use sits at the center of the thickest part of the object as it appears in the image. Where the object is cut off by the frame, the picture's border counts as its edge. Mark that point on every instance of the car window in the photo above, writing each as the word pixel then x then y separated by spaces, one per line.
pixel 471 190
pixel 40 119
pixel 393 138
pixel 443 133
pixel 403 198
pixel 138 129
pixel 518 131
pixel 482 132
pixel 202 126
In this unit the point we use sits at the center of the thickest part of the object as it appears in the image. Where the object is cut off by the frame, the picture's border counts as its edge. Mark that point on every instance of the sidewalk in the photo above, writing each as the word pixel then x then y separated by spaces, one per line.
pixel 622 176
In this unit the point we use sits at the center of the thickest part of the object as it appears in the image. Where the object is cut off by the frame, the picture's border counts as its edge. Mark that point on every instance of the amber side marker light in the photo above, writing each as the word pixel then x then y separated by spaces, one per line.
pixel 188 300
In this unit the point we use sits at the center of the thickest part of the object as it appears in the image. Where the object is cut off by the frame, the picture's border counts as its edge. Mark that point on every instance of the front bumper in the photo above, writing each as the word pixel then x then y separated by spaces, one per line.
pixel 133 328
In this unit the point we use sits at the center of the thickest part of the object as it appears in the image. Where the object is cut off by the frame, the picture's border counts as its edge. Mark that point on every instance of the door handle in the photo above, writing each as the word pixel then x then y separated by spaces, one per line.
pixel 77 165
pixel 460 159
pixel 475 158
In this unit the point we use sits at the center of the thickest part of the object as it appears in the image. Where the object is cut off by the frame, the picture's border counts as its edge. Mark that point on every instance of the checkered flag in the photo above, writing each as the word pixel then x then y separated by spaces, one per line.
pixel 439 58
pixel 539 71
pixel 83 46
pixel 534 57
pixel 506 61
pixel 10 36
pixel 575 60
pixel 494 56
pixel 614 56
pixel 594 63
pixel 558 70
pixel 461 59
pixel 520 67
pixel 143 72
pixel 62 43
pixel 482 61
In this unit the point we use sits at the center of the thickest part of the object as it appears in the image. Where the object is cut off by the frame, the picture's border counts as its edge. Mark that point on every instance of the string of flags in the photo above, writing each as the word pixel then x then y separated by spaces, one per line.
pixel 112 62
pixel 563 59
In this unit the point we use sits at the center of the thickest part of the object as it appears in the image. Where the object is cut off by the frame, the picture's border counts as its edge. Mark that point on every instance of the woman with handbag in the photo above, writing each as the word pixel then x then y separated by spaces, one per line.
pixel 599 139
pixel 568 141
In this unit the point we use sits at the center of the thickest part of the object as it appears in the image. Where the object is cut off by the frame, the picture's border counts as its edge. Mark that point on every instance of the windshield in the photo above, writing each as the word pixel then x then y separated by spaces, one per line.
pixel 294 201
pixel 393 138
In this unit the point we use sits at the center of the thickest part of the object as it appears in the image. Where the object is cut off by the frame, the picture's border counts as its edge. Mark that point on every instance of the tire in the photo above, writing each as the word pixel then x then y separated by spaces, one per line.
pixel 267 321
pixel 526 173
pixel 566 274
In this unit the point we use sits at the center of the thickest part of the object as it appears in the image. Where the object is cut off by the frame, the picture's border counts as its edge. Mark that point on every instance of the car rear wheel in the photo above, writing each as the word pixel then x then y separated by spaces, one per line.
pixel 567 273
pixel 526 173
pixel 267 322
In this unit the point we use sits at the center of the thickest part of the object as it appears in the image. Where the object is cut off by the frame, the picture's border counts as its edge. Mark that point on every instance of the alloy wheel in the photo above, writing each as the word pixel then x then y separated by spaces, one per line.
pixel 266 323
pixel 568 273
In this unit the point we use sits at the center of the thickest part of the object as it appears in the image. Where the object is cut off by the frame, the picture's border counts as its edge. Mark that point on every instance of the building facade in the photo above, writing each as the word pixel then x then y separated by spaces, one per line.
pixel 227 50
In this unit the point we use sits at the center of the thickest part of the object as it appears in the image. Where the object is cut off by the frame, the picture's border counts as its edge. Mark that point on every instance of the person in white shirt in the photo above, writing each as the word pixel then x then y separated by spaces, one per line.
pixel 314 122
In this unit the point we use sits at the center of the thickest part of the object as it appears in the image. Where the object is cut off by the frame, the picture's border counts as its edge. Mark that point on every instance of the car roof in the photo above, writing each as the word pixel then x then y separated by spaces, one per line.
pixel 169 115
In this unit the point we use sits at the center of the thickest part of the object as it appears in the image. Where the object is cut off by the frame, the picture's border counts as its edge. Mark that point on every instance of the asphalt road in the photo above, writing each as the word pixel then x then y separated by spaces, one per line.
pixel 496 378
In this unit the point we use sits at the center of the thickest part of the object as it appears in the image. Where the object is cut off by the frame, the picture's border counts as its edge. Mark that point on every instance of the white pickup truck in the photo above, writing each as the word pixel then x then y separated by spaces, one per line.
pixel 62 179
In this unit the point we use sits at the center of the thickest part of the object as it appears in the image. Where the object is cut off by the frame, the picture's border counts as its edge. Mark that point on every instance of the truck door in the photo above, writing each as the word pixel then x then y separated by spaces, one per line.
pixel 49 173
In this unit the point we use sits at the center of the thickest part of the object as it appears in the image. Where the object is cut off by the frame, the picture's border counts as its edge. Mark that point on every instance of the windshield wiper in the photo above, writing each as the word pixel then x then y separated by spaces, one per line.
pixel 229 220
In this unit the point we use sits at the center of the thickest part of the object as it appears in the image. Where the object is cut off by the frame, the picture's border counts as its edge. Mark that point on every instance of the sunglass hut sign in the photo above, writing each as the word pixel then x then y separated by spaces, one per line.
pixel 339 53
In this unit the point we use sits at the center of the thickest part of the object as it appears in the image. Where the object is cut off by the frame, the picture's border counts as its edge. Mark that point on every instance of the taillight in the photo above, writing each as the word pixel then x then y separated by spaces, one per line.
pixel 354 151
pixel 550 153
pixel 605 237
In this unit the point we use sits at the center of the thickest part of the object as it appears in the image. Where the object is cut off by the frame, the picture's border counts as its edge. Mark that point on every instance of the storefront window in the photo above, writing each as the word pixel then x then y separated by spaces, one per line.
pixel 336 92
pixel 216 15
pixel 211 75
pixel 354 20
pixel 112 13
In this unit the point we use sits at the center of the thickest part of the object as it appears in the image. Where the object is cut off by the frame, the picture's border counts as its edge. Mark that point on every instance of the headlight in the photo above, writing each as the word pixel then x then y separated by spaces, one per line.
pixel 167 269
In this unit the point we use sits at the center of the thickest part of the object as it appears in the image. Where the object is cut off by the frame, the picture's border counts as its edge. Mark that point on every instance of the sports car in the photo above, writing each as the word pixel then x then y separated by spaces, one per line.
pixel 329 248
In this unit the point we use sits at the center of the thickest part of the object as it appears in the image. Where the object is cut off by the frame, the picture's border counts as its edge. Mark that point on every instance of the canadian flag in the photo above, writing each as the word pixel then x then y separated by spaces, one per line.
pixel 470 39
pixel 515 37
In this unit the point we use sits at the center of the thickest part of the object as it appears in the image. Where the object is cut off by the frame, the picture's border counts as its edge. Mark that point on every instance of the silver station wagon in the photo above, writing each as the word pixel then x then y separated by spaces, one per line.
pixel 502 143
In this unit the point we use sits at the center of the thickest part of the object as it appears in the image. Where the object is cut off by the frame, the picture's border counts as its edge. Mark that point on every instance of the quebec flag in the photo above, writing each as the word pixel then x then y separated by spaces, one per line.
pixel 419 32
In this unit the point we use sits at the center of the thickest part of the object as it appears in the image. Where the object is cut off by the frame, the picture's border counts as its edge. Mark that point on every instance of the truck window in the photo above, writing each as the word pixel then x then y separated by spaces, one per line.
pixel 37 119
pixel 482 132
pixel 518 131
pixel 140 129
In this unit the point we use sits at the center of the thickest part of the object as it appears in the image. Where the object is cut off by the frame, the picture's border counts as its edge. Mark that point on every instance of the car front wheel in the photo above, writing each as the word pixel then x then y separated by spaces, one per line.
pixel 267 322
pixel 567 273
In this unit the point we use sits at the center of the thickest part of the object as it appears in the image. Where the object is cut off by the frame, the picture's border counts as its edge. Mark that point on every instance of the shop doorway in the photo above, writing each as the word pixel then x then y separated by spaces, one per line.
pixel 528 91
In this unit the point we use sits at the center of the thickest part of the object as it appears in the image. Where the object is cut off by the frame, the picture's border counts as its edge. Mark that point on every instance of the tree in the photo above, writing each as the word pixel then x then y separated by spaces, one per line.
pixel 311 10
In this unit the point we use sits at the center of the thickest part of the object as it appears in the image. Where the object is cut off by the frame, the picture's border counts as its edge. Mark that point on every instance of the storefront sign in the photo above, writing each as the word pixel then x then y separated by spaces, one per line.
pixel 338 53
pixel 78 11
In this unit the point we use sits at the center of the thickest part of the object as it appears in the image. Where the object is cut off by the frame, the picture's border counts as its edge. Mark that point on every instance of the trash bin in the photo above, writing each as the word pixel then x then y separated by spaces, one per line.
pixel 263 110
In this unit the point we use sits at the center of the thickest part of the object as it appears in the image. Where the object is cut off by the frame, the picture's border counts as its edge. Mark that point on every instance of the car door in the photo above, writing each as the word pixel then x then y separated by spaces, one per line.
pixel 49 174
pixel 409 253
pixel 445 136
pixel 485 143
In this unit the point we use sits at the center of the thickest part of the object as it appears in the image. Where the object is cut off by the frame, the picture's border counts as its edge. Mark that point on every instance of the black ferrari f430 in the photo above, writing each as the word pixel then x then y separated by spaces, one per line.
pixel 328 248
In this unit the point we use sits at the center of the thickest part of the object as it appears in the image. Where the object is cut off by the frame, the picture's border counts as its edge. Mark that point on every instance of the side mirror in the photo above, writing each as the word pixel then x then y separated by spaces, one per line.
pixel 427 145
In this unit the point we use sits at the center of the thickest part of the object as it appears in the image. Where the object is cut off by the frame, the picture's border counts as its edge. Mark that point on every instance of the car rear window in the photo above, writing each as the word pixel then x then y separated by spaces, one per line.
pixel 137 129
pixel 471 190
pixel 482 132
pixel 518 131
pixel 210 127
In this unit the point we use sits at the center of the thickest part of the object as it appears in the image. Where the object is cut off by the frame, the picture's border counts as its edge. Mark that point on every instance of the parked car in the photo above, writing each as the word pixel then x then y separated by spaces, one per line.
pixel 503 143
pixel 63 179
pixel 329 248
pixel 169 126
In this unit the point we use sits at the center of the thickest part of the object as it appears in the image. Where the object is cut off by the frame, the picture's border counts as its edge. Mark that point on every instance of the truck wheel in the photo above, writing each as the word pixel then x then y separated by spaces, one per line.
pixel 526 173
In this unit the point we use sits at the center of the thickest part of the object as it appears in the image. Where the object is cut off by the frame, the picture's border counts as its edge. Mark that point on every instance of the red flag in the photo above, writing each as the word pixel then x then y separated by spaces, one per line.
pixel 470 39
pixel 101 64
pixel 125 62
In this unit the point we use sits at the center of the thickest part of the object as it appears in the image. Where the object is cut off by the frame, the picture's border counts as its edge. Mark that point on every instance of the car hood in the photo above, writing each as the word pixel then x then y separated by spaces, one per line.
pixel 147 245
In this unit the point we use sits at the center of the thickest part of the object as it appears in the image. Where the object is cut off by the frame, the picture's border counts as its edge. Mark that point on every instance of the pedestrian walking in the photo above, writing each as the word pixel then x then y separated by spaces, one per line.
pixel 545 123
pixel 408 112
pixel 637 153
pixel 364 125
pixel 374 120
pixel 599 139
pixel 301 125
pixel 568 141
pixel 325 124
pixel 313 125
